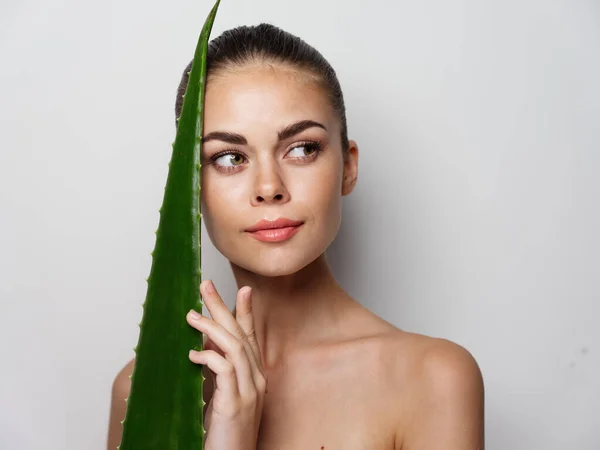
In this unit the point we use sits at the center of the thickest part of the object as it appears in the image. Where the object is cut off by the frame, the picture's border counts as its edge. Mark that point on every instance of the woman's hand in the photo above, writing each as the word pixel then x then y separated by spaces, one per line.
pixel 231 352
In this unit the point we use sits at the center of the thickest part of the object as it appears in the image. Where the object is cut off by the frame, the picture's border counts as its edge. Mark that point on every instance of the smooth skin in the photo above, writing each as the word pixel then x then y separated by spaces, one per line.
pixel 299 364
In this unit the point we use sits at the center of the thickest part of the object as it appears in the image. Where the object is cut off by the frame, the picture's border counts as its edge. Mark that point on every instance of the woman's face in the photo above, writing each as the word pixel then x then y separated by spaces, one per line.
pixel 271 150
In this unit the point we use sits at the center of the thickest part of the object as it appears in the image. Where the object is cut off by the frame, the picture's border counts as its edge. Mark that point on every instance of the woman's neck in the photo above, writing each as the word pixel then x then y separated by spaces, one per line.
pixel 296 311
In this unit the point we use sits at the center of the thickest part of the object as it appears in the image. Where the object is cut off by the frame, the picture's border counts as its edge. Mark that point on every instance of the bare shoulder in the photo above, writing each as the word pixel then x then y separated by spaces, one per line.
pixel 449 365
pixel 122 381
pixel 417 357
pixel 436 361
pixel 442 387
pixel 430 388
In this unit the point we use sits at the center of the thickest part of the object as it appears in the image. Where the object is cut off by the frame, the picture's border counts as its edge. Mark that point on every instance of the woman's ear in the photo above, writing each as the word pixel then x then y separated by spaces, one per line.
pixel 350 168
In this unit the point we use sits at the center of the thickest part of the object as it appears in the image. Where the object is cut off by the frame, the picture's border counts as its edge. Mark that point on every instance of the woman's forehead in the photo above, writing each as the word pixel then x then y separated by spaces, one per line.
pixel 264 94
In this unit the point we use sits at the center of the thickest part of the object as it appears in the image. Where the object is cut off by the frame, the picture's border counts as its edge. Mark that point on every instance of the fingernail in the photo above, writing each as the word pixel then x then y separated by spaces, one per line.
pixel 210 287
pixel 194 314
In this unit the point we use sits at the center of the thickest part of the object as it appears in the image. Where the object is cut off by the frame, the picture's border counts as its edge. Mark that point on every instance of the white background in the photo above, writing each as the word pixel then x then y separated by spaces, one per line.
pixel 475 218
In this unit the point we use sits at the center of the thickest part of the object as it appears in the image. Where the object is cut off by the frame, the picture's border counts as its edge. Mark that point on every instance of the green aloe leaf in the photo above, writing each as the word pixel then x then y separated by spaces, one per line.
pixel 165 404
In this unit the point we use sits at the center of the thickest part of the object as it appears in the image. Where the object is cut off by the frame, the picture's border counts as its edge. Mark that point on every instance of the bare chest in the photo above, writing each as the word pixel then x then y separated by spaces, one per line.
pixel 334 404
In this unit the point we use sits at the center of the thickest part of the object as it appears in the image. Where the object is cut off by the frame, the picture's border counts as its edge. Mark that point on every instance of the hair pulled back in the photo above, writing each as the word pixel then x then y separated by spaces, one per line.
pixel 266 42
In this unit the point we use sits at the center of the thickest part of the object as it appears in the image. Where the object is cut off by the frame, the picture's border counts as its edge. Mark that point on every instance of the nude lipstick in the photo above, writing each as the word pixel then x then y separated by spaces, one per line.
pixel 278 230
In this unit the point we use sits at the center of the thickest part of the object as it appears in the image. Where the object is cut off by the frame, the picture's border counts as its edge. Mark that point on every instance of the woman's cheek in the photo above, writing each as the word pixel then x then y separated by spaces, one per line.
pixel 333 219
pixel 215 214
pixel 331 203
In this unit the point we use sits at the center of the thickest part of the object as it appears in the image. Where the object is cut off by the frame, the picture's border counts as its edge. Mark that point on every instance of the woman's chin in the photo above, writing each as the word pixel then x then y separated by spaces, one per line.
pixel 274 265
pixel 273 259
pixel 273 270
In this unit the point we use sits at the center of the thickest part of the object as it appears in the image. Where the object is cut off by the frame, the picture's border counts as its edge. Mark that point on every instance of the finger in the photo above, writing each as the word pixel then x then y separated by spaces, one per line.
pixel 233 348
pixel 226 377
pixel 207 344
pixel 210 345
pixel 243 311
pixel 218 309
pixel 243 315
pixel 221 314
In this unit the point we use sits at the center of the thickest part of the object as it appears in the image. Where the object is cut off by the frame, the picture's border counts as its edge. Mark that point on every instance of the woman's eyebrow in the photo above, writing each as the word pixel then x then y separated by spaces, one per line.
pixel 287 132
pixel 297 127
pixel 231 138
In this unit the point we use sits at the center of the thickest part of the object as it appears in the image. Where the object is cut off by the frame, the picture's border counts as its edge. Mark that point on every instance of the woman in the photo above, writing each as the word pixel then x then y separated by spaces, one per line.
pixel 299 364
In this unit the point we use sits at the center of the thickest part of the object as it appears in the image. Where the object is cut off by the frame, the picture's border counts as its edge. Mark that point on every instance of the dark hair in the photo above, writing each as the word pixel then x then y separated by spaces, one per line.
pixel 267 42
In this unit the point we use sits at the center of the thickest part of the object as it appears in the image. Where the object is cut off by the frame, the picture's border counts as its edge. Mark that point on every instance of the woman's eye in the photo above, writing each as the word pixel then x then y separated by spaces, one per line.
pixel 303 150
pixel 229 160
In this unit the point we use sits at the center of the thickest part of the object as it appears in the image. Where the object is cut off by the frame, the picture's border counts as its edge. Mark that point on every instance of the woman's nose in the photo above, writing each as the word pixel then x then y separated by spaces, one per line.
pixel 269 187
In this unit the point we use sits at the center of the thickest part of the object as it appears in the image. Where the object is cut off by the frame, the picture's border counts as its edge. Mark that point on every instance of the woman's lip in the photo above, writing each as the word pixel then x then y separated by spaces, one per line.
pixel 275 234
pixel 281 222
